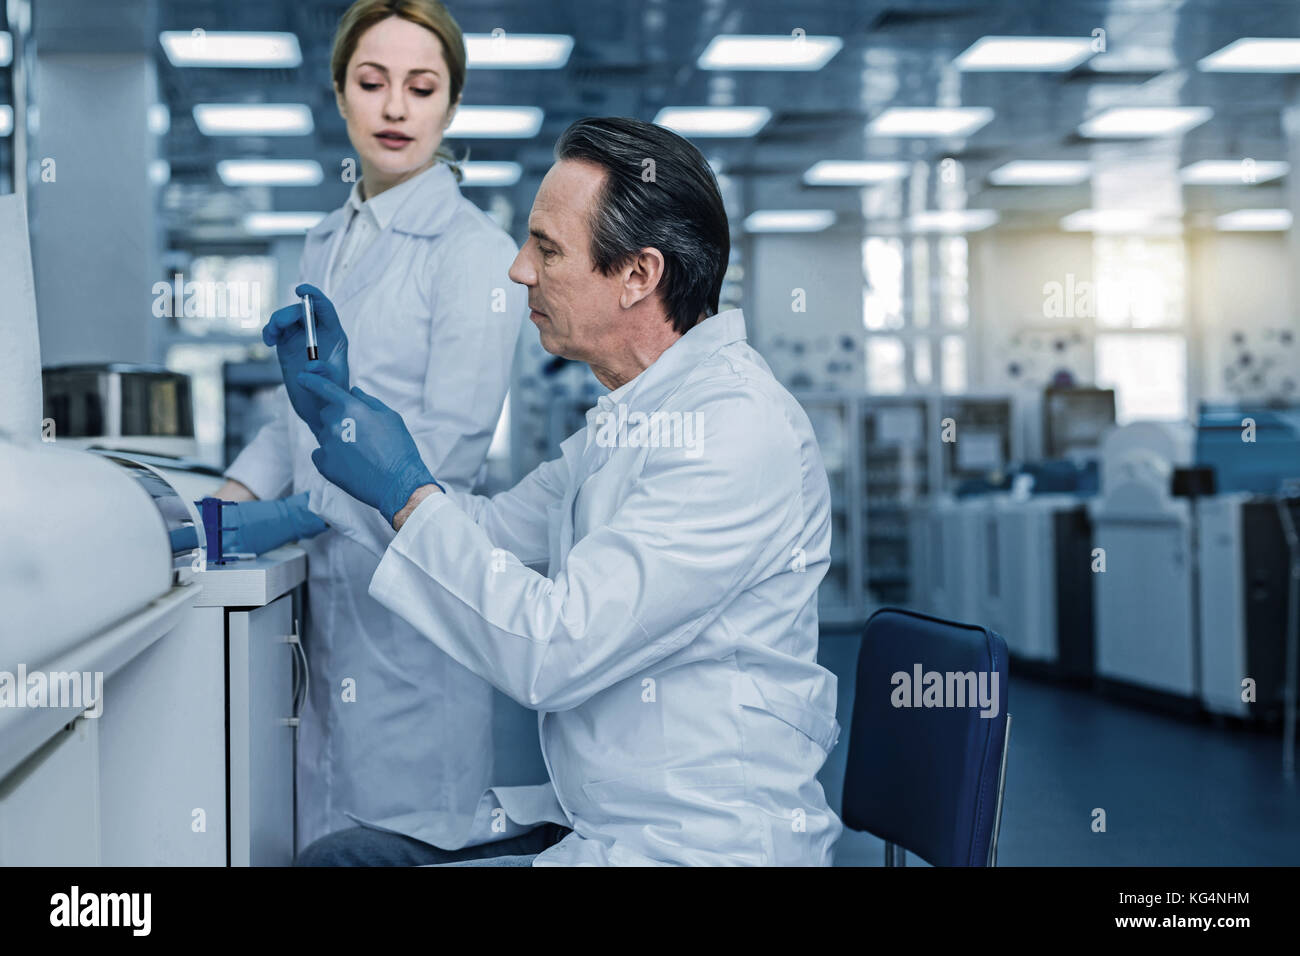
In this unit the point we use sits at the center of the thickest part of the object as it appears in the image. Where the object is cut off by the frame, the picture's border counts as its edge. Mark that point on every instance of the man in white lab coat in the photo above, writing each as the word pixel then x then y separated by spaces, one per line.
pixel 670 650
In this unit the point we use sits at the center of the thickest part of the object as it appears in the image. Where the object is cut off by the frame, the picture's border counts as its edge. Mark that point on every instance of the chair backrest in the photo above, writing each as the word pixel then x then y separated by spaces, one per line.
pixel 923 771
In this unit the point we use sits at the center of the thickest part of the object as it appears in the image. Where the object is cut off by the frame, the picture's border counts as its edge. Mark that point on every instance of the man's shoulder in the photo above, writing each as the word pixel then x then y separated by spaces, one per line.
pixel 736 376
pixel 740 406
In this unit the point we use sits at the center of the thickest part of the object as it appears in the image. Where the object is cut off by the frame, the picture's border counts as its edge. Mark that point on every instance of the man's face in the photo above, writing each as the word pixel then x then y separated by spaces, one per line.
pixel 574 307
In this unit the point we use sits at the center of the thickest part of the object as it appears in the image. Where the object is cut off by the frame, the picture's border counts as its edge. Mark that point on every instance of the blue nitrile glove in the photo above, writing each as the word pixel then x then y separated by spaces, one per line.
pixel 365 448
pixel 286 331
pixel 255 527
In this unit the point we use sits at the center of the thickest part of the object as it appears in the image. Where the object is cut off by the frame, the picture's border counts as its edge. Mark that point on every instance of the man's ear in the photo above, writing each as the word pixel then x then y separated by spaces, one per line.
pixel 641 276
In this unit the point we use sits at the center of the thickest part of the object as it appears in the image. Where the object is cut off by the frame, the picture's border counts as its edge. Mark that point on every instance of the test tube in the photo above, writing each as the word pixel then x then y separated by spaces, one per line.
pixel 311 327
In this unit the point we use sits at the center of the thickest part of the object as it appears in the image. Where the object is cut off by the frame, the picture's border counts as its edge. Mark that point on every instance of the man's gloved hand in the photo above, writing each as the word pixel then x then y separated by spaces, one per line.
pixel 378 463
pixel 255 527
pixel 286 331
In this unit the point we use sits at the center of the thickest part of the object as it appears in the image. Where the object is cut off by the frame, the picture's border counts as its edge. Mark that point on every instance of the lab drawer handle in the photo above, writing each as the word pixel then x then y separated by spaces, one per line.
pixel 300 654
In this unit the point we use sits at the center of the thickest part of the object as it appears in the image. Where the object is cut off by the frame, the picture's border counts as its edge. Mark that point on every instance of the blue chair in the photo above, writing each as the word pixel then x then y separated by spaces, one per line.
pixel 927 778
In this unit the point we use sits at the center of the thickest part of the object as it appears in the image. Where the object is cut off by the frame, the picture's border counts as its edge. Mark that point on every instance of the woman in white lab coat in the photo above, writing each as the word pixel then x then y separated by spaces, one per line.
pixel 418 276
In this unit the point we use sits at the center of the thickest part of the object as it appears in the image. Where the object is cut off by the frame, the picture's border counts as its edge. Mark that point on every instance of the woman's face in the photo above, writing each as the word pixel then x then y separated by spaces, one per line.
pixel 395 100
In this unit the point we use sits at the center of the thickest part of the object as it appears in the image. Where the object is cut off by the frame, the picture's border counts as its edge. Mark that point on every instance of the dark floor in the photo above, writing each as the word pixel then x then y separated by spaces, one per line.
pixel 1176 792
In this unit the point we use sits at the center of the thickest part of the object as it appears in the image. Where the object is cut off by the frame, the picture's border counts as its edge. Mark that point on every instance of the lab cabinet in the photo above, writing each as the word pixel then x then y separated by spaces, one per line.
pixel 181 752
pixel 257 601
pixel 262 727
pixel 163 744
pixel 1019 565
pixel 1144 600
pixel 1244 603
pixel 197 740
pixel 49 804
pixel 190 759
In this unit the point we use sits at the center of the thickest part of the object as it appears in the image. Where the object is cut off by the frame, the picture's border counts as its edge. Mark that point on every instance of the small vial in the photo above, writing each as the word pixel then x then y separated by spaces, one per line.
pixel 311 327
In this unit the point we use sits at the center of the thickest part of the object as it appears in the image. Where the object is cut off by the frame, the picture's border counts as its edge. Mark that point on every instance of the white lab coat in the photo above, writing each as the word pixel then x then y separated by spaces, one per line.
pixel 432 319
pixel 671 649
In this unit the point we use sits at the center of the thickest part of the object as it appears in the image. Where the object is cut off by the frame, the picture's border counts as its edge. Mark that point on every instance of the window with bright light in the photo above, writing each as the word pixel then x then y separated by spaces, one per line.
pixel 906 282
pixel 921 362
pixel 882 292
pixel 886 365
pixel 1140 281
pixel 1148 372
pixel 920 282
pixel 952 364
pixel 954 288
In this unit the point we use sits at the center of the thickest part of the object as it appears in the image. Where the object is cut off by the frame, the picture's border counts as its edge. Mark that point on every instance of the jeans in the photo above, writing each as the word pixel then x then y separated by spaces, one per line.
pixel 363 846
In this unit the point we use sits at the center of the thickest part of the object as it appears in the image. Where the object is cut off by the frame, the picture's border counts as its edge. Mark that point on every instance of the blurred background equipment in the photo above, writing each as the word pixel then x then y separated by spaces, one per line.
pixel 144 408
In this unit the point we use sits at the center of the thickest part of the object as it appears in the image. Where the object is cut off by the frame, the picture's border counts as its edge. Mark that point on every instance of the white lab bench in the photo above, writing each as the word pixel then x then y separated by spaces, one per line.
pixel 192 761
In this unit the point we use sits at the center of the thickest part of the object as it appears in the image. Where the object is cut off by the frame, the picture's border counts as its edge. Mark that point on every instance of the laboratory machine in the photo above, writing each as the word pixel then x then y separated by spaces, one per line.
pixel 1145 586
pixel 1246 558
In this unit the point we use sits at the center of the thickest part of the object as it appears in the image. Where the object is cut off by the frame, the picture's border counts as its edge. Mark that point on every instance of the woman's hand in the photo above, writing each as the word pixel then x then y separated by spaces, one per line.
pixel 255 527
pixel 286 332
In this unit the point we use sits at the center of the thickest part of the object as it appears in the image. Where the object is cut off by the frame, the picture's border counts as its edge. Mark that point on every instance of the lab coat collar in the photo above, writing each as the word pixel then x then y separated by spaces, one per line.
pixel 421 206
pixel 355 202
pixel 428 207
pixel 665 374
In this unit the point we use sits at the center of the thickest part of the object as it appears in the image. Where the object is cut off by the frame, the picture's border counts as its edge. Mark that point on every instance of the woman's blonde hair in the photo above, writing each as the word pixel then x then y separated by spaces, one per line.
pixel 431 15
